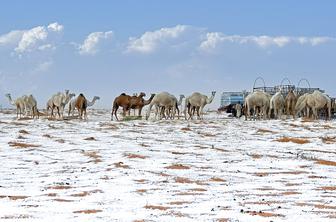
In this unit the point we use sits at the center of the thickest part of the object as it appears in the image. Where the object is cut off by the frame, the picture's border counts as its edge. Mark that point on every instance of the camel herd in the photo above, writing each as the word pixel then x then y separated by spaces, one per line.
pixel 166 105
pixel 261 104
pixel 257 104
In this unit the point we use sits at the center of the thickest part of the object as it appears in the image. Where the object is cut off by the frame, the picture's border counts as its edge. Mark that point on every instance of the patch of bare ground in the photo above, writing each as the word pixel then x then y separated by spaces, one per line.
pixel 262 131
pixel 51 194
pixel 269 203
pixel 293 184
pixel 22 145
pixel 60 187
pixel 198 189
pixel 94 155
pixel 328 188
pixel 293 140
pixel 178 153
pixel 60 140
pixel 179 203
pixel 23 132
pixel 141 191
pixel 13 197
pixel 19 216
pixel 91 211
pixel 144 145
pixel 222 150
pixel 156 207
pixel 183 180
pixel 222 220
pixel 121 165
pixel 141 180
pixel 262 174
pixel 326 162
pixel 91 138
pixel 264 214
pixel 21 137
pixel 63 200
pixel 178 167
pixel 135 156
pixel 307 120
pixel 318 206
pixel 287 193
pixel 177 214
pixel 86 193
pixel 216 179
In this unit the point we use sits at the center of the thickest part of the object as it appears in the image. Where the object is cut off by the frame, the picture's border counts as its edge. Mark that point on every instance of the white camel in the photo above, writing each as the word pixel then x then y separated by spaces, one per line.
pixel 18 103
pixel 254 101
pixel 301 105
pixel 59 101
pixel 277 103
pixel 165 101
pixel 197 101
pixel 30 104
pixel 317 101
pixel 72 104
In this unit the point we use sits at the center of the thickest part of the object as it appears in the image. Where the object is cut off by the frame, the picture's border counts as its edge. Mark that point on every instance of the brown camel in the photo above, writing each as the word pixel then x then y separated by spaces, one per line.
pixel 81 105
pixel 136 102
pixel 124 101
pixel 290 103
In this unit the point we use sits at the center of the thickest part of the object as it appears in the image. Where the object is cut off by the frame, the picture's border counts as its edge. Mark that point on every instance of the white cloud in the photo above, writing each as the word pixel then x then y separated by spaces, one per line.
pixel 43 67
pixel 214 39
pixel 150 41
pixel 31 39
pixel 55 27
pixel 90 45
pixel 12 37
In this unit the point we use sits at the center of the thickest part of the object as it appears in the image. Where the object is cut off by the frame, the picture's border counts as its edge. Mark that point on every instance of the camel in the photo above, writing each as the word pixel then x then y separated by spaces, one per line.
pixel 72 104
pixel 168 113
pixel 197 101
pixel 301 105
pixel 290 103
pixel 316 101
pixel 124 101
pixel 31 105
pixel 238 109
pixel 163 99
pixel 255 100
pixel 81 105
pixel 59 101
pixel 277 103
pixel 18 103
pixel 136 102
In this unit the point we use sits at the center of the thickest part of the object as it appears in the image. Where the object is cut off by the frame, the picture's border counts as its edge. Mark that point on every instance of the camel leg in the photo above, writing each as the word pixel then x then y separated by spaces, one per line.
pixel 139 113
pixel 115 113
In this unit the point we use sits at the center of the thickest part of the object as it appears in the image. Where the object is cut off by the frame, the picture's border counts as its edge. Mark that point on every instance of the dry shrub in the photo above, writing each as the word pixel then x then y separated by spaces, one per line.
pixel 22 145
pixel 155 207
pixel 290 193
pixel 183 180
pixel 14 197
pixel 328 188
pixel 186 129
pixel 47 136
pixel 293 140
pixel 328 140
pixel 178 167
pixel 23 132
pixel 60 187
pixel 179 203
pixel 261 131
pixel 141 180
pixel 135 156
pixel 86 193
pixel 93 155
pixel 91 211
pixel 217 179
pixel 141 191
pixel 62 200
pixel 121 165
pixel 91 138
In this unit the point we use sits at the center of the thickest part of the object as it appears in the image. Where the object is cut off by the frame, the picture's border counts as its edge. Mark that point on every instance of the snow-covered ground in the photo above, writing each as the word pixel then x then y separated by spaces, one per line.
pixel 217 169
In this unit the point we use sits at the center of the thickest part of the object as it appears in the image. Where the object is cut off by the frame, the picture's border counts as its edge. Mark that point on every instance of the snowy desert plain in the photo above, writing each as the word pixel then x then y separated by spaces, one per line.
pixel 216 169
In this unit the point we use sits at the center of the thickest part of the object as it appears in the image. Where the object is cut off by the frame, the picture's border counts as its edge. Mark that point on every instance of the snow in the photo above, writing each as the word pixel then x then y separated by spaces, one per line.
pixel 216 169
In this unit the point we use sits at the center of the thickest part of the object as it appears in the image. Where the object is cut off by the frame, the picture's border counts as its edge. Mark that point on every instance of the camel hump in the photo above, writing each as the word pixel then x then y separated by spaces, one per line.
pixel 81 95
pixel 123 94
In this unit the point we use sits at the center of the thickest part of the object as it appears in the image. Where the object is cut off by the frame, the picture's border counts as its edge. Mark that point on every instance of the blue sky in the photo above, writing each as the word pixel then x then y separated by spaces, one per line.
pixel 108 47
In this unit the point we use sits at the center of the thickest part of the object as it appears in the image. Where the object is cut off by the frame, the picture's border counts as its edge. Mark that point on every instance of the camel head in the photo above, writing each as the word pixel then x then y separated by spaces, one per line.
pixel 182 96
pixel 66 92
pixel 213 93
pixel 8 95
pixel 142 94
pixel 96 98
